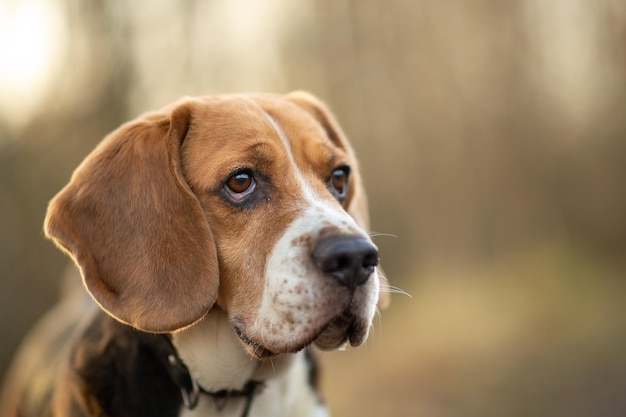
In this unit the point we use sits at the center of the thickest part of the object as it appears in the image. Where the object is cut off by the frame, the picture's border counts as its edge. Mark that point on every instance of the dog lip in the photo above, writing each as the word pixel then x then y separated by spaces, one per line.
pixel 258 350
pixel 339 330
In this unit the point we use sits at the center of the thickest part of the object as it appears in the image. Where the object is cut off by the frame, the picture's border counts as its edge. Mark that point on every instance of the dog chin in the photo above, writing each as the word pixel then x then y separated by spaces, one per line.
pixel 334 335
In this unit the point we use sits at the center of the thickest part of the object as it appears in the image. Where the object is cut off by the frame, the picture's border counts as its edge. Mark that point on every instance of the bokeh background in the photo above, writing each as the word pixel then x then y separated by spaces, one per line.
pixel 492 138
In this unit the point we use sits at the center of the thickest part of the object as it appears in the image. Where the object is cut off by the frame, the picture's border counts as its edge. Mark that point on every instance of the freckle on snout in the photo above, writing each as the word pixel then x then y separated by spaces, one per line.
pixel 302 240
pixel 327 230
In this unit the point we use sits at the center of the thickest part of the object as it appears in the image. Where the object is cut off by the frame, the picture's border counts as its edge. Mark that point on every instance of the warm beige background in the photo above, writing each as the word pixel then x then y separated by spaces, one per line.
pixel 492 136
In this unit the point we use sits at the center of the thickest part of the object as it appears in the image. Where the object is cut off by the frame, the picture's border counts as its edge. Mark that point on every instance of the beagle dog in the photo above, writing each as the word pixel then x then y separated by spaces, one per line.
pixel 220 237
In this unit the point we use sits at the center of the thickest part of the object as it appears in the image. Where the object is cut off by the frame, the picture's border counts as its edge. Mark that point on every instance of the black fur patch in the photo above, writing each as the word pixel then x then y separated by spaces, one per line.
pixel 120 375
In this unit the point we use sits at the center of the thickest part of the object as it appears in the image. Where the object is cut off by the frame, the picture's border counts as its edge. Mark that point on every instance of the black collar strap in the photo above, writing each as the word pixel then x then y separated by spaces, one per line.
pixel 248 392
pixel 189 389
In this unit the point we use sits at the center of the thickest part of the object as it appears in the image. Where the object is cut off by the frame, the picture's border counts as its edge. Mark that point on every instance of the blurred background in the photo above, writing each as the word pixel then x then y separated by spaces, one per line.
pixel 492 139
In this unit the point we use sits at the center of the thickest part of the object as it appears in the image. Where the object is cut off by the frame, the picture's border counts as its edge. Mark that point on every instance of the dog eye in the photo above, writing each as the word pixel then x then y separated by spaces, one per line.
pixel 240 184
pixel 338 182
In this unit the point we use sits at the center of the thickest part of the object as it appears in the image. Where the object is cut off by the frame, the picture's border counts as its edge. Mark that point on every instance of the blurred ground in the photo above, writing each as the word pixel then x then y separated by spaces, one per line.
pixel 492 139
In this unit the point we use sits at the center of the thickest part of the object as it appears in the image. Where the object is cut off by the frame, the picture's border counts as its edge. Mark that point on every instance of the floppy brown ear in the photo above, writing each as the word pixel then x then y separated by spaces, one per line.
pixel 133 226
pixel 358 200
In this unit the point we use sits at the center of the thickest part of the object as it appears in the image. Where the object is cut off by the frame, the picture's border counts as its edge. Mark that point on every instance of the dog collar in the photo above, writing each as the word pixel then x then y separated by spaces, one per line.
pixel 189 388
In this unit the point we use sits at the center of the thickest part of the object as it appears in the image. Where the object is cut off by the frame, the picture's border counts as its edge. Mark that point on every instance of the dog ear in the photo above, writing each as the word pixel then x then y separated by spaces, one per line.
pixel 136 230
pixel 357 198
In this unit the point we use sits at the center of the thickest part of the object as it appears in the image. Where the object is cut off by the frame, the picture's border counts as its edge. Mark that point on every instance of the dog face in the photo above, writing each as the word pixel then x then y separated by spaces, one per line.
pixel 248 203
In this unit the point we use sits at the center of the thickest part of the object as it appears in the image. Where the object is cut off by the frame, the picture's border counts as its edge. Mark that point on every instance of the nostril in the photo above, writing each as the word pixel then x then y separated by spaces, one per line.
pixel 342 263
pixel 371 259
pixel 349 259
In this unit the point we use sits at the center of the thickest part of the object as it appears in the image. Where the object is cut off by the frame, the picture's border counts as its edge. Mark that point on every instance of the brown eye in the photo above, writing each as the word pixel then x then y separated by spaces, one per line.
pixel 240 184
pixel 338 182
pixel 339 179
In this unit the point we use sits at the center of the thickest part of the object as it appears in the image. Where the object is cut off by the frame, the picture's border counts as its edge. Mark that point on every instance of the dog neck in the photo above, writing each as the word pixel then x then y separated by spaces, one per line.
pixel 230 374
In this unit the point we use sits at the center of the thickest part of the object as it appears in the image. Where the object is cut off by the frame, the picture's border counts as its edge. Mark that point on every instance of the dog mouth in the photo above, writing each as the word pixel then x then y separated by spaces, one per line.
pixel 344 328
pixel 255 349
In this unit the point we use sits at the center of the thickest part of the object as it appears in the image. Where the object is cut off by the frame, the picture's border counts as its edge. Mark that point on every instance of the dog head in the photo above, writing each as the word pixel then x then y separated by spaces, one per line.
pixel 248 203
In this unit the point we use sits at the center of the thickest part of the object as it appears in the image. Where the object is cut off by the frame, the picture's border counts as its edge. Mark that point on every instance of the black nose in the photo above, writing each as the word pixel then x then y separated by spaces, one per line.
pixel 349 259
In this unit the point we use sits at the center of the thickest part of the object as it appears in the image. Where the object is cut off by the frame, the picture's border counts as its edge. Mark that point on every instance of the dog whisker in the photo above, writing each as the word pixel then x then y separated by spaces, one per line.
pixel 378 234
pixel 394 290
pixel 379 318
pixel 386 287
